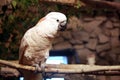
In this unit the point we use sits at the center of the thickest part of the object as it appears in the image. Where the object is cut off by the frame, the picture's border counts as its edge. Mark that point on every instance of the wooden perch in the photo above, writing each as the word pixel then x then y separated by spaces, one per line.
pixel 69 2
pixel 66 69
pixel 9 72
pixel 87 3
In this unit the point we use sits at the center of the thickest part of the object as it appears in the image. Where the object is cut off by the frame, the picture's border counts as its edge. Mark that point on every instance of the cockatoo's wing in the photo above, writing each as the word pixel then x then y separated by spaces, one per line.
pixel 22 49
pixel 24 45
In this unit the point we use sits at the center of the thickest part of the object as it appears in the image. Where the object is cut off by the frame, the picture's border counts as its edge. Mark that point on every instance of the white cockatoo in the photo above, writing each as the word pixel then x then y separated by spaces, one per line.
pixel 37 41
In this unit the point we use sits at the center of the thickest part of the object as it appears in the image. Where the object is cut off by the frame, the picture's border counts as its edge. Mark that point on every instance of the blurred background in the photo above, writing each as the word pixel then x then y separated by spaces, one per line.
pixel 91 31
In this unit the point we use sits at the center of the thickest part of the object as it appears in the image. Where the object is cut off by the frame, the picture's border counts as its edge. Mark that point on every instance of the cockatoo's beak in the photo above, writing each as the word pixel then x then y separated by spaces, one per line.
pixel 62 26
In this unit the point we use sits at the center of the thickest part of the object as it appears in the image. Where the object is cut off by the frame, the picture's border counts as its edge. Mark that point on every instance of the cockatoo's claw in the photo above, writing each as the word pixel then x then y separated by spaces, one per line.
pixel 36 67
pixel 43 69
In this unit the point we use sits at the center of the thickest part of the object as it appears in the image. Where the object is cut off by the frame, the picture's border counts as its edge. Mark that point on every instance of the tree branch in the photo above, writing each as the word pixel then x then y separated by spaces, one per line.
pixel 66 69
pixel 86 3
pixel 102 4
pixel 69 2
pixel 9 72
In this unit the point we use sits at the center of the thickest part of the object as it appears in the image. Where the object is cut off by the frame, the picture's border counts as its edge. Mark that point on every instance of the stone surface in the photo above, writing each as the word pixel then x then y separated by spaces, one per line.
pixel 107 31
pixel 73 23
pixel 118 58
pixel 82 36
pixel 76 42
pixel 101 61
pixel 78 46
pixel 58 40
pixel 67 35
pixel 83 54
pixel 62 45
pixel 88 19
pixel 92 44
pixel 116 24
pixel 114 19
pixel 115 42
pixel 90 26
pixel 112 57
pixel 115 32
pixel 103 47
pixel 98 35
pixel 108 24
pixel 103 38
pixel 101 18
pixel 103 54
pixel 93 35
pixel 97 31
pixel 115 51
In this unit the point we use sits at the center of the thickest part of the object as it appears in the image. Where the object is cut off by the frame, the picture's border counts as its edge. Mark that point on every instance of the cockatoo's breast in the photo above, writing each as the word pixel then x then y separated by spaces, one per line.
pixel 41 35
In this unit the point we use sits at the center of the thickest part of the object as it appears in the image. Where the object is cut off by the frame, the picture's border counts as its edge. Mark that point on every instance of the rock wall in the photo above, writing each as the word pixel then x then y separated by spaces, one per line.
pixel 99 36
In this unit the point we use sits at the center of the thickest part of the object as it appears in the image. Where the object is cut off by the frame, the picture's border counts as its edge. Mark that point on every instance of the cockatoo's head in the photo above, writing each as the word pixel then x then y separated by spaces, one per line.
pixel 60 18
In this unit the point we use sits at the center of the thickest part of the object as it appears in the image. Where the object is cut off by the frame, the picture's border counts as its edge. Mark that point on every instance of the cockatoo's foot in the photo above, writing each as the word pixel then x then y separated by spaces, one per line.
pixel 43 69
pixel 37 67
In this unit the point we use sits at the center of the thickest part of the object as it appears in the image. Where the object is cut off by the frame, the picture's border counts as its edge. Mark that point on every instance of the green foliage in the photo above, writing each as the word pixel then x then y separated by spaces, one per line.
pixel 15 19
pixel 14 4
pixel 79 4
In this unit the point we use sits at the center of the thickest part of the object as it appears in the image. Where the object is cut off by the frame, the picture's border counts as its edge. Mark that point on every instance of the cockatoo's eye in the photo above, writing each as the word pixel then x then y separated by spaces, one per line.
pixel 57 20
